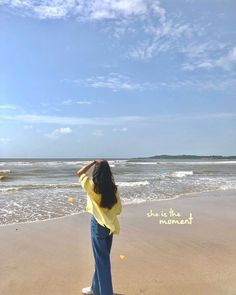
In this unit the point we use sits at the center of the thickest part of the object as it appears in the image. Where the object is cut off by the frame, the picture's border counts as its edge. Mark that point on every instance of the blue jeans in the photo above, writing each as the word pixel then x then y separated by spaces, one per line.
pixel 101 245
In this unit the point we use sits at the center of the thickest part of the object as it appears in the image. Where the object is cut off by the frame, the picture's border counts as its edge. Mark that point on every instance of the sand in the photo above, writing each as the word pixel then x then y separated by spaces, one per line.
pixel 55 257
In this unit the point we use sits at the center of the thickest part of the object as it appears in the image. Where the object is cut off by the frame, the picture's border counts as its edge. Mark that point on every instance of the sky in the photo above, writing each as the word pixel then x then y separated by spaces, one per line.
pixel 117 79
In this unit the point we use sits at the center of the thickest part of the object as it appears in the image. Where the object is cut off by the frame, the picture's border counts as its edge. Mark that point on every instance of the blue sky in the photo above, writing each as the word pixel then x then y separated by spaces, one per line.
pixel 120 78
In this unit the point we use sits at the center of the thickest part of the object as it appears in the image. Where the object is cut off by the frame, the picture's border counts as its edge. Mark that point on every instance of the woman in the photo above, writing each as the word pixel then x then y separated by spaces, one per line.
pixel 103 202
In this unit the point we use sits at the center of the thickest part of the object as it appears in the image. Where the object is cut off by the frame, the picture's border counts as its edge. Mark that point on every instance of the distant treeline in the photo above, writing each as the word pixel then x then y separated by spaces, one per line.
pixel 188 157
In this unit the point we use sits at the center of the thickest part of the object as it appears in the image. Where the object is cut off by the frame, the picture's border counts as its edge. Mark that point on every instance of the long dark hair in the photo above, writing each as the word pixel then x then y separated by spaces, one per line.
pixel 104 184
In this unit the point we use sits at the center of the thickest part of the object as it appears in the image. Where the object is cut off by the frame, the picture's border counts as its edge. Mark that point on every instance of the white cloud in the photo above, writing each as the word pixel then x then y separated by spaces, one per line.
pixel 112 81
pixel 73 101
pixel 196 49
pixel 98 132
pixel 83 9
pixel 42 9
pixel 84 102
pixel 201 56
pixel 221 85
pixel 57 9
pixel 59 132
pixel 108 121
pixel 65 130
pixel 157 30
pixel 72 120
pixel 27 127
pixel 8 107
pixel 5 140
pixel 69 102
pixel 124 129
pixel 228 61
pixel 162 33
pixel 100 9
pixel 66 102
pixel 117 82
pixel 204 84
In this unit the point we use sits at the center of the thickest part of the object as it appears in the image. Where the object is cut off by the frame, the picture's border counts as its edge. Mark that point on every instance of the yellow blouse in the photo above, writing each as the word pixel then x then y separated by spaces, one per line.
pixel 104 216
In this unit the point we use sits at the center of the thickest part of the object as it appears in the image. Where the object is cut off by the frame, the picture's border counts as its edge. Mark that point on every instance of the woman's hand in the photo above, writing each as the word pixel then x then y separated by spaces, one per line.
pixel 100 161
pixel 85 168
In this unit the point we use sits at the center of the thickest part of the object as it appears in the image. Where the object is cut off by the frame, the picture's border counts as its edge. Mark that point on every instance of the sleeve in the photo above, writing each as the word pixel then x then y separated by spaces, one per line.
pixel 86 185
pixel 119 205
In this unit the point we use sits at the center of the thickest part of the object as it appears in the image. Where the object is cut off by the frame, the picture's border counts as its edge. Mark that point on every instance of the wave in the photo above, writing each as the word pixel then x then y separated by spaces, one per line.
pixel 175 174
pixel 38 186
pixel 228 186
pixel 18 163
pixel 63 186
pixel 4 174
pixel 181 173
pixel 142 163
pixel 62 163
pixel 9 189
pixel 5 171
pixel 133 183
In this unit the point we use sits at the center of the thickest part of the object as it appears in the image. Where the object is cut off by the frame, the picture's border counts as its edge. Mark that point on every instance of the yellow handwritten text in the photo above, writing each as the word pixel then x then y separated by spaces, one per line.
pixel 174 221
pixel 170 217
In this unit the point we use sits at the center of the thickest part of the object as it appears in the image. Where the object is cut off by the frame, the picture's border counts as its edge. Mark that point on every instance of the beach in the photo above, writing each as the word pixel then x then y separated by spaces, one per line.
pixel 55 256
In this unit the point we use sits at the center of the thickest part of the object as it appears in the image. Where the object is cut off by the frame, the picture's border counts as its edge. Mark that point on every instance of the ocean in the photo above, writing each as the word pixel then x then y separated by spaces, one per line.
pixel 35 190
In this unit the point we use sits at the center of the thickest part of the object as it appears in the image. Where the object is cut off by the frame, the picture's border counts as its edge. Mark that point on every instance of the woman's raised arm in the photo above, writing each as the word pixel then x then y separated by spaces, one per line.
pixel 86 167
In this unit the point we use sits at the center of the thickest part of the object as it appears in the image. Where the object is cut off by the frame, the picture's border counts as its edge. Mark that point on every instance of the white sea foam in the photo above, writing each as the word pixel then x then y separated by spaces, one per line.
pixel 74 162
pixel 51 163
pixel 178 174
pixel 9 189
pixel 142 163
pixel 133 183
pixel 40 186
pixel 117 161
pixel 126 201
pixel 228 186
pixel 181 173
pixel 5 172
pixel 20 163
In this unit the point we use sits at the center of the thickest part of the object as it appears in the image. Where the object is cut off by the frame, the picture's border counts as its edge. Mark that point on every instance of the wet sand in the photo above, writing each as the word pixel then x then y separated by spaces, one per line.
pixel 55 257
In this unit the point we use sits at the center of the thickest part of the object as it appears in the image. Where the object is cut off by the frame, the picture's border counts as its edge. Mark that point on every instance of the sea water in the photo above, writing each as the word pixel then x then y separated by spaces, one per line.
pixel 34 190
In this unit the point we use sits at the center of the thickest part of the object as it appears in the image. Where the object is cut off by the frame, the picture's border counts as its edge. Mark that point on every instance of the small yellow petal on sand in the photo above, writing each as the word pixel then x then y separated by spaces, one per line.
pixel 122 257
pixel 70 199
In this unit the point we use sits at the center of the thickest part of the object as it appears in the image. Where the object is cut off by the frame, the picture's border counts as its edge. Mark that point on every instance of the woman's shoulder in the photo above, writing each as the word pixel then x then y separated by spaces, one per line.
pixel 117 192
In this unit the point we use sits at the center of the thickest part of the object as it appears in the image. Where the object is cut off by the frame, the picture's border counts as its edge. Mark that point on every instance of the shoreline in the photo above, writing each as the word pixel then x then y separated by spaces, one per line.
pixel 55 258
pixel 129 204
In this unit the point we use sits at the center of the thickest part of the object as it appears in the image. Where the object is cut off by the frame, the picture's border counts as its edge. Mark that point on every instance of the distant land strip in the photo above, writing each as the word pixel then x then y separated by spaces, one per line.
pixel 215 157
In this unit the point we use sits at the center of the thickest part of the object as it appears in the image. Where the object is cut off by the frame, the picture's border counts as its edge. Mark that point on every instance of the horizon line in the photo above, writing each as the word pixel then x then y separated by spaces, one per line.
pixel 137 157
